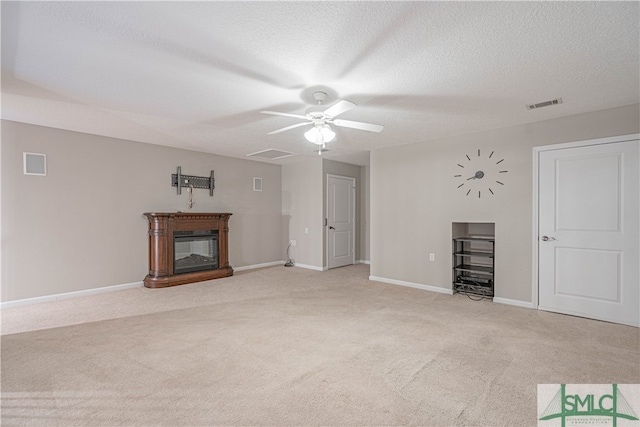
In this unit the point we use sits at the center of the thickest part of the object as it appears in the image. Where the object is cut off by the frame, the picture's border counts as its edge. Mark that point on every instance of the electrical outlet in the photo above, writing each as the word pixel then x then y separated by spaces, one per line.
pixel 432 257
pixel 306 230
pixel 292 242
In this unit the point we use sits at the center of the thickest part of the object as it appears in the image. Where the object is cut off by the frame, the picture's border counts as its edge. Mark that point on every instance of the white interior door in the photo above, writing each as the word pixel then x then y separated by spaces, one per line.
pixel 589 231
pixel 340 220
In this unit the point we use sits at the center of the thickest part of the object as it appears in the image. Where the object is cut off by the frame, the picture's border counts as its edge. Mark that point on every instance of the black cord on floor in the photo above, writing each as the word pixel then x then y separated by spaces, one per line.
pixel 289 262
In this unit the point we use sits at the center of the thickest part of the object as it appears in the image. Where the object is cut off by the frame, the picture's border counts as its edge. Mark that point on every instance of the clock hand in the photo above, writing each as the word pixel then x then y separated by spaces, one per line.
pixel 473 177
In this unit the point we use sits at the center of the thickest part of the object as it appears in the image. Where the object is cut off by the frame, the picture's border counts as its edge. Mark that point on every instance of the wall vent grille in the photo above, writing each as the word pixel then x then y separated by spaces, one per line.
pixel 34 164
pixel 257 183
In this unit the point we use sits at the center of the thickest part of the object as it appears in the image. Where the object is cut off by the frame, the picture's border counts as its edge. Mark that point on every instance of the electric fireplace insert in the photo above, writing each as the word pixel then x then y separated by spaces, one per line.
pixel 195 251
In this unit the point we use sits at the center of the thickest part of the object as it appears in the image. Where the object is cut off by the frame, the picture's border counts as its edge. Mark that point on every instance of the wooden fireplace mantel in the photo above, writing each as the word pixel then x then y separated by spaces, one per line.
pixel 162 226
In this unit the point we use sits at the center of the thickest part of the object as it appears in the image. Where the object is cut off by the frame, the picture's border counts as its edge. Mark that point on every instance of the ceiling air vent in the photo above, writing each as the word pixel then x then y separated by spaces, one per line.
pixel 544 104
pixel 271 154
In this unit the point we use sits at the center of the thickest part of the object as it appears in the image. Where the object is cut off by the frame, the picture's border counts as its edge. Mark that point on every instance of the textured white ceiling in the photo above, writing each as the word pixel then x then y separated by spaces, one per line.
pixel 196 74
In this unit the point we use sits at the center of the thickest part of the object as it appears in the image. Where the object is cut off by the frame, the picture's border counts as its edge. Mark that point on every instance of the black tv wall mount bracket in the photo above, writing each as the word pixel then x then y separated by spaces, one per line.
pixel 179 180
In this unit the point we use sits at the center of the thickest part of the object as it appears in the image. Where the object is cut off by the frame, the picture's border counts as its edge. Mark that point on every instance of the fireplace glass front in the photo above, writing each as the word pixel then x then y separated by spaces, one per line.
pixel 195 251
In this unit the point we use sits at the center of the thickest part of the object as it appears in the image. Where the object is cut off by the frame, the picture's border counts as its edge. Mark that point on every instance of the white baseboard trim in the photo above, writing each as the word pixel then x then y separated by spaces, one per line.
pixel 309 267
pixel 412 285
pixel 363 261
pixel 47 298
pixel 517 303
pixel 55 297
pixel 264 264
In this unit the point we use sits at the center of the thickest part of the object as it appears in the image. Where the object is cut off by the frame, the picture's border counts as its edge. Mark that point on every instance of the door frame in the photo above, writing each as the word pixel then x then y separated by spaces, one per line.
pixel 326 227
pixel 536 198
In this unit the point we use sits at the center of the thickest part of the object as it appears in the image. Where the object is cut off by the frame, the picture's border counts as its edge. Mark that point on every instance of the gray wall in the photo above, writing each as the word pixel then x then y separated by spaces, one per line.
pixel 414 199
pixel 81 226
pixel 302 208
pixel 304 198
pixel 365 190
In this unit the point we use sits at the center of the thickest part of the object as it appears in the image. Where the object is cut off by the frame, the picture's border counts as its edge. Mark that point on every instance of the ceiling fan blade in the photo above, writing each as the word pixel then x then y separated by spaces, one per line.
pixel 297 125
pixel 277 113
pixel 358 125
pixel 339 107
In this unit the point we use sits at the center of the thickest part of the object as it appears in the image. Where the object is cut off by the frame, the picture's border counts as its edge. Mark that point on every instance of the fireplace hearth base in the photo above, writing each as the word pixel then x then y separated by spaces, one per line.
pixel 164 226
pixel 183 279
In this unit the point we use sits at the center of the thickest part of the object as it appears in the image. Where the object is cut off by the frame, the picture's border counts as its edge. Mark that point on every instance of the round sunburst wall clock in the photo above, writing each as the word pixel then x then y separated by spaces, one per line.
pixel 480 174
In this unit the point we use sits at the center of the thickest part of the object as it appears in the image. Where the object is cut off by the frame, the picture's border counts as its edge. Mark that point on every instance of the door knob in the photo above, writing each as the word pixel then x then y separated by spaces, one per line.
pixel 547 239
pixel 331 227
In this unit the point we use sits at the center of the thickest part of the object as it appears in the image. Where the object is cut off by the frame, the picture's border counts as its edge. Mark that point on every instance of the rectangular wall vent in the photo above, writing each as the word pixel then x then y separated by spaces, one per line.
pixel 34 164
pixel 257 183
pixel 544 104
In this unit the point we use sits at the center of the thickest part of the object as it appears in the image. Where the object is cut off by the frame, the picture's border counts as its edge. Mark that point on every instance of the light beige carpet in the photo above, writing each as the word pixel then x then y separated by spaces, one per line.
pixel 286 346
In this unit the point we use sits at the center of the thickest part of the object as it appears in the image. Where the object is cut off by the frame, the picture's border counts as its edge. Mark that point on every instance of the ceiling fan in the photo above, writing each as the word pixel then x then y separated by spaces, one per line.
pixel 319 118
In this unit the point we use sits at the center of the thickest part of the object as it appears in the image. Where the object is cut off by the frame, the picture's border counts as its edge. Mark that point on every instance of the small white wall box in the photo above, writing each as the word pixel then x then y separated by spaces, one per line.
pixel 257 184
pixel 35 164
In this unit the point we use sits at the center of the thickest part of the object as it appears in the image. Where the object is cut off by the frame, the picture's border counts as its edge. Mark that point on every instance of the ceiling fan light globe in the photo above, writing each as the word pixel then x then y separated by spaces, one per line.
pixel 328 134
pixel 311 134
pixel 320 134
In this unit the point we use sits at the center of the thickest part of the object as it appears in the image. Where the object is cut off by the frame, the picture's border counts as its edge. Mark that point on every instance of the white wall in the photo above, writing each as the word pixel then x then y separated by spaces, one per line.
pixel 414 199
pixel 81 226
